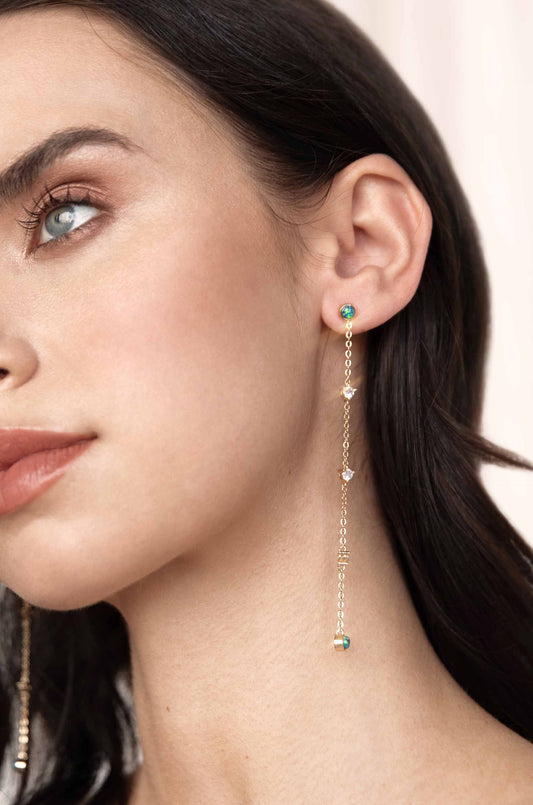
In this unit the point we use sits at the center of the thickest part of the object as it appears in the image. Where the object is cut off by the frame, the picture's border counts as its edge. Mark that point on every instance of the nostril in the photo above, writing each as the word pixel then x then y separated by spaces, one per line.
pixel 3 373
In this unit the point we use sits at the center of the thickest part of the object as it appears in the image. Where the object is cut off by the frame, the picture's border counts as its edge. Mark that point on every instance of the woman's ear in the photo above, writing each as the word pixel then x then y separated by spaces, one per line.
pixel 371 239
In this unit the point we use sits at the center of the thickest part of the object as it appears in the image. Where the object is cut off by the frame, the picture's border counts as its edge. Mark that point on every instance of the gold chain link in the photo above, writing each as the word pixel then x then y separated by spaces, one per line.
pixel 343 553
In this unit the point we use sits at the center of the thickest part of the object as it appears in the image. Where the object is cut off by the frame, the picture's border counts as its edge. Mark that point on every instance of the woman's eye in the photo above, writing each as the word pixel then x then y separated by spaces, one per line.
pixel 64 219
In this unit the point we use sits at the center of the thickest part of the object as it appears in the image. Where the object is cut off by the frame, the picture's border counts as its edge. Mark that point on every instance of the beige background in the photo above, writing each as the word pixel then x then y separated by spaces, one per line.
pixel 470 63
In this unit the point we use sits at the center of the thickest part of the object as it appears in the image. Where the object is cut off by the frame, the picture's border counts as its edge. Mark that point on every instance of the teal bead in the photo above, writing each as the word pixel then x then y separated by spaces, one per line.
pixel 347 311
pixel 345 641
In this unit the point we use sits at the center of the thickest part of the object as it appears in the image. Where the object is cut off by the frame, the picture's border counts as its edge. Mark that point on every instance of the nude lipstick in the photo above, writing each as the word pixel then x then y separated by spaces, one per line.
pixel 32 460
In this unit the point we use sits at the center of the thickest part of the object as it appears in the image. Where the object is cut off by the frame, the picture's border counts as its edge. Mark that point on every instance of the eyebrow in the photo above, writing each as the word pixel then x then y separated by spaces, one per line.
pixel 22 174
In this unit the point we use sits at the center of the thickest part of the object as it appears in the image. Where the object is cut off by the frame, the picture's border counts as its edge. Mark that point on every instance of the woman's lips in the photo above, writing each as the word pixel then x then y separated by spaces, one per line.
pixel 31 475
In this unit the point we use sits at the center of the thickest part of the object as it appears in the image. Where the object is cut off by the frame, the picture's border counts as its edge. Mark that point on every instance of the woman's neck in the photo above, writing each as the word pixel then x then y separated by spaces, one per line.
pixel 239 694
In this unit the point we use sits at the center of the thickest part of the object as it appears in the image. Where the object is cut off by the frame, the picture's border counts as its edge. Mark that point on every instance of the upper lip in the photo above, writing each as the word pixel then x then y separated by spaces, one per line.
pixel 15 443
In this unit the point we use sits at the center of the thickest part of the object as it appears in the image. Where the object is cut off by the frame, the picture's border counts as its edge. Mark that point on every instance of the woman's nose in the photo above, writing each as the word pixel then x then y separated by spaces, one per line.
pixel 18 361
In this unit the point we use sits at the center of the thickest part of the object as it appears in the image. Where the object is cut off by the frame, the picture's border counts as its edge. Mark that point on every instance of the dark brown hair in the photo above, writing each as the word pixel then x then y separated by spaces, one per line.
pixel 308 93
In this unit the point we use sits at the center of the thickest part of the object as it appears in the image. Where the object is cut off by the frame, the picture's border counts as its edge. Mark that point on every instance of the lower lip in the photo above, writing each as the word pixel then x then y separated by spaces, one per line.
pixel 29 477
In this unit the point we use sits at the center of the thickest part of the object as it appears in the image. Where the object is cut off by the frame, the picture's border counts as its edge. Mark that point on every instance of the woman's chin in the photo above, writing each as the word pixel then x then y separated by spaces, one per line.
pixel 63 595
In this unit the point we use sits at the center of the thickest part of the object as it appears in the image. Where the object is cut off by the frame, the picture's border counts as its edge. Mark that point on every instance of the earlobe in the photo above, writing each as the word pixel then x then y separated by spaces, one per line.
pixel 382 226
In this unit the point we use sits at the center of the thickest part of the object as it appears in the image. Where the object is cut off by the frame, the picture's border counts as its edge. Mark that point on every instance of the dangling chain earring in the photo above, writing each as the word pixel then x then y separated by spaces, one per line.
pixel 21 762
pixel 341 641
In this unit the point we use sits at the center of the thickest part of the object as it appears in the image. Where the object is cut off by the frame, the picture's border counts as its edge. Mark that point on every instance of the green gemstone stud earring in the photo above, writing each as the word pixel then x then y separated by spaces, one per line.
pixel 347 311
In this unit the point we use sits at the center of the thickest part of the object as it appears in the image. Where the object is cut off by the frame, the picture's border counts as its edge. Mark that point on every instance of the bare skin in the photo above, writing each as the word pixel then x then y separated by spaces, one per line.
pixel 180 328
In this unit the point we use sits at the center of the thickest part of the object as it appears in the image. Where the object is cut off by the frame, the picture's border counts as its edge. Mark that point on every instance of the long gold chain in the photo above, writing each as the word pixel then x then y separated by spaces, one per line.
pixel 341 640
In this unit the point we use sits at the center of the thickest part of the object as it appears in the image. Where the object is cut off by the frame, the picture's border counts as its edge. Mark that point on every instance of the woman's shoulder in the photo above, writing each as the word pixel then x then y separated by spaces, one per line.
pixel 515 760
pixel 501 771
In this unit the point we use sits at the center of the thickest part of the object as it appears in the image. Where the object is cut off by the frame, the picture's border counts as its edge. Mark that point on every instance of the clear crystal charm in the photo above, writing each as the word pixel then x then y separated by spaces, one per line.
pixel 348 392
pixel 347 474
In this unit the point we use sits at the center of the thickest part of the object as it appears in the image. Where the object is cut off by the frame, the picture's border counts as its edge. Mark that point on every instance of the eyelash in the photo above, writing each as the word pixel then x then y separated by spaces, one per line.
pixel 48 203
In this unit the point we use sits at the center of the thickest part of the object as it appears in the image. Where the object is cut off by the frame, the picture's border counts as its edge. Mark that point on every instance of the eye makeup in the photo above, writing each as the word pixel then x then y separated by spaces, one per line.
pixel 54 200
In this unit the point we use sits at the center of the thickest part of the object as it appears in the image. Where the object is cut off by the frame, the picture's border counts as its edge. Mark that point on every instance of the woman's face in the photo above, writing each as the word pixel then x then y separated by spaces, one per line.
pixel 163 324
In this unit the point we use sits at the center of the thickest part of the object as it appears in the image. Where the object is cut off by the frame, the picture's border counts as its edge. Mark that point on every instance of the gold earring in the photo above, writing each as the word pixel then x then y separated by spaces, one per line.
pixel 341 641
pixel 21 761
